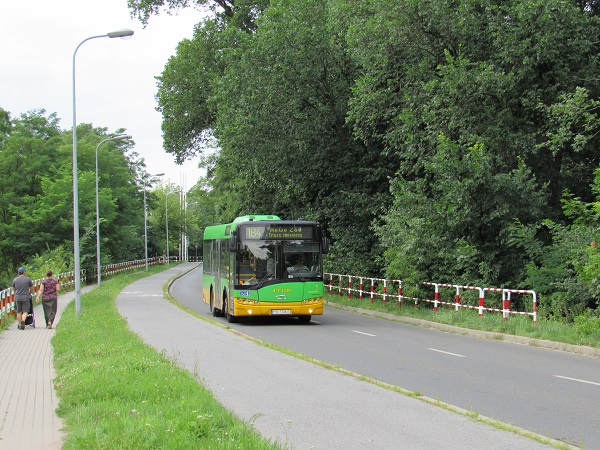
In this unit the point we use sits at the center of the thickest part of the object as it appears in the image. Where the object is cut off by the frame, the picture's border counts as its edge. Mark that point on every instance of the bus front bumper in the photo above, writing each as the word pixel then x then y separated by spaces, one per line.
pixel 244 308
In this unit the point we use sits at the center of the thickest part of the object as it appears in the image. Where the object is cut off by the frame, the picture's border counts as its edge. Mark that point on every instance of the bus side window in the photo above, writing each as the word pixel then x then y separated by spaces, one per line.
pixel 224 258
pixel 207 260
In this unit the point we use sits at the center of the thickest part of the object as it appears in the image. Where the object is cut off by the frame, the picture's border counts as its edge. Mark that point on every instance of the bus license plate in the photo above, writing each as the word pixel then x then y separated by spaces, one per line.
pixel 280 312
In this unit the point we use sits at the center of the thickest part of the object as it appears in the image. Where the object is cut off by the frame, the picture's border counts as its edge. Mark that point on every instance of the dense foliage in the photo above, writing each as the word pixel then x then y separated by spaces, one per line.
pixel 36 198
pixel 451 141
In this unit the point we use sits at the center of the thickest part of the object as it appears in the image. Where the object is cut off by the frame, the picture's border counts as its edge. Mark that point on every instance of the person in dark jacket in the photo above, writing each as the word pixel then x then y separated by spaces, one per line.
pixel 23 287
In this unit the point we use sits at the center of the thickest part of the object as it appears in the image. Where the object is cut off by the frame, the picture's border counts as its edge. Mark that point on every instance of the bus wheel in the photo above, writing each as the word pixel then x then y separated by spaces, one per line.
pixel 212 304
pixel 304 319
pixel 230 318
pixel 215 312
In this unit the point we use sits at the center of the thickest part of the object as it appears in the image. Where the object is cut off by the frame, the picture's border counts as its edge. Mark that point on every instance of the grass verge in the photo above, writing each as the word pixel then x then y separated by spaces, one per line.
pixel 117 392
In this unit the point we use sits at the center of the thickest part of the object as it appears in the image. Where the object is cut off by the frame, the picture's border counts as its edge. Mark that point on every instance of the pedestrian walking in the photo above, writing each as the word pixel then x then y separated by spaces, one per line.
pixel 49 292
pixel 23 288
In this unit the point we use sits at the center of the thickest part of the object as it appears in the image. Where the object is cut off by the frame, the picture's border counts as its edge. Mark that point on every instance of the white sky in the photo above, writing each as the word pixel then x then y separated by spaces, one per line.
pixel 115 84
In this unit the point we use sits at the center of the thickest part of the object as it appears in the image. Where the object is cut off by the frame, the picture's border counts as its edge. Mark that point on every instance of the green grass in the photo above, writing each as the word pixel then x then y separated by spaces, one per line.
pixel 551 330
pixel 116 392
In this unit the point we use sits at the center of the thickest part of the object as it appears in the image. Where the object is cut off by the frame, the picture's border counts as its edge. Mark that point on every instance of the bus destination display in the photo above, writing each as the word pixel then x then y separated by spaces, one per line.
pixel 276 232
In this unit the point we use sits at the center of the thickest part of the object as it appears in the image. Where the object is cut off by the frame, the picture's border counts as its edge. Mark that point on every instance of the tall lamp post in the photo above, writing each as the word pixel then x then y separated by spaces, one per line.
pixel 185 237
pixel 146 219
pixel 167 218
pixel 77 271
pixel 120 136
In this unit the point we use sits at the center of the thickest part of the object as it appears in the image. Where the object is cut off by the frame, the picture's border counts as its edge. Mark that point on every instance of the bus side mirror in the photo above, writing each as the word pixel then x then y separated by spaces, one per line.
pixel 325 245
pixel 233 242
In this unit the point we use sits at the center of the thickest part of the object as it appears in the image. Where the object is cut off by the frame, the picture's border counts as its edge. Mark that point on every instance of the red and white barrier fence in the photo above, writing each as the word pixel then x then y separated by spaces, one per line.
pixel 375 286
pixel 506 298
pixel 67 281
pixel 378 287
pixel 7 296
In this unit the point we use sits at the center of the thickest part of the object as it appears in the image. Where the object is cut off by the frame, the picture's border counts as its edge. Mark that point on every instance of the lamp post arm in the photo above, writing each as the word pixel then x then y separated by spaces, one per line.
pixel 74 102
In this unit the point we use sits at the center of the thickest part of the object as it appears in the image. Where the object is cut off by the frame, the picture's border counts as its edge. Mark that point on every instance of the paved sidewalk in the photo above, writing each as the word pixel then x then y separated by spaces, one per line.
pixel 27 398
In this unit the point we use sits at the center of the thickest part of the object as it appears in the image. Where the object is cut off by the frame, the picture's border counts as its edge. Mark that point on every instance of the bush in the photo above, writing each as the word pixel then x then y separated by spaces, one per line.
pixel 588 322
pixel 58 260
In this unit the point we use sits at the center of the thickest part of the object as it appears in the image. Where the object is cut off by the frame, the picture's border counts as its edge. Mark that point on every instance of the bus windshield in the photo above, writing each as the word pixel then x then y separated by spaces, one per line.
pixel 259 262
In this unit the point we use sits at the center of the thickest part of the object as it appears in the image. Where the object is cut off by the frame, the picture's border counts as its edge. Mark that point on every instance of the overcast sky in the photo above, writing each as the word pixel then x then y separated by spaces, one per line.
pixel 115 84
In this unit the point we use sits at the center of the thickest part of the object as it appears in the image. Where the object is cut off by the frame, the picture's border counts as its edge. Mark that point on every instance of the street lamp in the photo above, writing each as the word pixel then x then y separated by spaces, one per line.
pixel 167 218
pixel 120 136
pixel 146 219
pixel 185 237
pixel 77 271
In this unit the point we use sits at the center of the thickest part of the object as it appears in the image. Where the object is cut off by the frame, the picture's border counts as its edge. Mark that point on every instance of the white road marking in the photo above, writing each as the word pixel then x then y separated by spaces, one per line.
pixel 141 294
pixel 577 379
pixel 366 334
pixel 446 353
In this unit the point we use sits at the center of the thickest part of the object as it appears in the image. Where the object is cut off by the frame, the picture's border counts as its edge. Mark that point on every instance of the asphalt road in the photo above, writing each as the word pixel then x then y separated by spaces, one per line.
pixel 292 401
pixel 553 393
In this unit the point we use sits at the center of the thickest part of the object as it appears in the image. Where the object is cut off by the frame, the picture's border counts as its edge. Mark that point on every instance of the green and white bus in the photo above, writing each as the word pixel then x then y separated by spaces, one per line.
pixel 260 265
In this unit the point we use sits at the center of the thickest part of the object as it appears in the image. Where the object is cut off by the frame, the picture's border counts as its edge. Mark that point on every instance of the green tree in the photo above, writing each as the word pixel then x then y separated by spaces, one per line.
pixel 563 259
pixel 281 103
pixel 31 148
pixel 476 113
pixel 242 13
pixel 201 213
pixel 440 80
pixel 5 126
pixel 121 197
pixel 58 259
pixel 184 90
pixel 36 206
pixel 166 199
